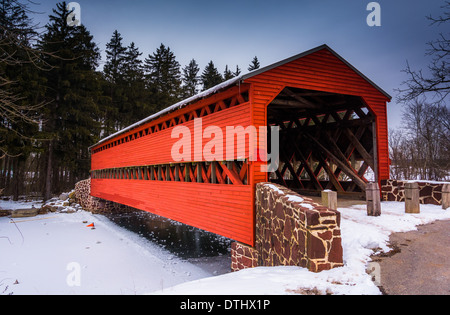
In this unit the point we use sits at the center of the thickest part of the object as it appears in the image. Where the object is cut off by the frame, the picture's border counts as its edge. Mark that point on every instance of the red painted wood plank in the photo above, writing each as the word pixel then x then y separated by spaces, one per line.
pixel 222 209
pixel 156 148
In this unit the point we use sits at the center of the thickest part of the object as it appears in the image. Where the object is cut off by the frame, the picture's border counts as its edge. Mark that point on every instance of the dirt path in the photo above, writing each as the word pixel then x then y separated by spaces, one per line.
pixel 419 263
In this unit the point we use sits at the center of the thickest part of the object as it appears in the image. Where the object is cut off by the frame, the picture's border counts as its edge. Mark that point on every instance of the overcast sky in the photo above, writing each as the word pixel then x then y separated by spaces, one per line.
pixel 232 32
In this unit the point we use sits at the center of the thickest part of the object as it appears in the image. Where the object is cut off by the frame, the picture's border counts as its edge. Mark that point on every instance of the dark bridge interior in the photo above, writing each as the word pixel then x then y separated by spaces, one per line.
pixel 326 142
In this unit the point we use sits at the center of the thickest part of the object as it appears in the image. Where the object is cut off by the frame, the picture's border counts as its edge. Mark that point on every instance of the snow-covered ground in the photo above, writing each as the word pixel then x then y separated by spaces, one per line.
pixel 21 204
pixel 57 253
pixel 361 237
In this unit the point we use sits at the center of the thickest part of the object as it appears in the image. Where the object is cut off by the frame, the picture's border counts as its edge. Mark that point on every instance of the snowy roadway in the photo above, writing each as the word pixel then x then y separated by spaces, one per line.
pixel 57 254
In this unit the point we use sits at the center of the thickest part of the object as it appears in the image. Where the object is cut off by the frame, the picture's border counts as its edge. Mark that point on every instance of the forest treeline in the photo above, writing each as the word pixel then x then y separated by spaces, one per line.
pixel 55 102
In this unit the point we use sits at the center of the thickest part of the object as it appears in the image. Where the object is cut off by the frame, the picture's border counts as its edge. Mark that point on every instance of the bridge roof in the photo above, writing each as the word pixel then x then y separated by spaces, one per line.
pixel 236 81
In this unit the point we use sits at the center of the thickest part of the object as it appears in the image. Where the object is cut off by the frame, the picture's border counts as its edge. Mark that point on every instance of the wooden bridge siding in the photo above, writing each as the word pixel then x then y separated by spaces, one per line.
pixel 156 148
pixel 222 209
pixel 321 71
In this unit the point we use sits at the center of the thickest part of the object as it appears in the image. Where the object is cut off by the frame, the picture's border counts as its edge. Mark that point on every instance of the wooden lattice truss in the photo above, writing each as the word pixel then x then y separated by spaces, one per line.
pixel 223 172
pixel 326 141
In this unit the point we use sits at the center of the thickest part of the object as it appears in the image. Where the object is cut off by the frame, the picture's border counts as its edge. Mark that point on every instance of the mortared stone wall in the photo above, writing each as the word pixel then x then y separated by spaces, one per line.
pixel 429 192
pixel 291 230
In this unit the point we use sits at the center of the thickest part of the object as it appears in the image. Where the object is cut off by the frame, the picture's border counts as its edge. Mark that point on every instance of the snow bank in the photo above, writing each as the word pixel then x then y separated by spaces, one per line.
pixel 39 255
pixel 361 236
pixel 22 204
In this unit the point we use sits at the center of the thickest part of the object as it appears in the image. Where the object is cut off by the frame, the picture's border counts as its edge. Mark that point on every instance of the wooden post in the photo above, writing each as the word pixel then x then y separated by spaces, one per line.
pixel 229 165
pixel 187 176
pixel 446 196
pixel 329 199
pixel 177 172
pixel 146 173
pixel 213 172
pixel 159 172
pixel 412 198
pixel 375 149
pixel 199 172
pixel 152 172
pixel 373 199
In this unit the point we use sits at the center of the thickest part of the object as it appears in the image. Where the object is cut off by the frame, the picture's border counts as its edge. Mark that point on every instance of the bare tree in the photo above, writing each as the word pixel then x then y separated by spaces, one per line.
pixel 17 35
pixel 399 168
pixel 437 81
pixel 421 149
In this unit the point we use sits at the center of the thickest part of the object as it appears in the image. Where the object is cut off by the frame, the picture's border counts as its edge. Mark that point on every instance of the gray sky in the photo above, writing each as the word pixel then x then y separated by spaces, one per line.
pixel 232 32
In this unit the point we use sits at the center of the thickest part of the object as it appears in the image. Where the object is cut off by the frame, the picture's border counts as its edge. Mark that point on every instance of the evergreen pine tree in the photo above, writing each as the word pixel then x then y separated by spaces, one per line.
pixel 210 76
pixel 134 79
pixel 132 69
pixel 163 77
pixel 191 79
pixel 227 74
pixel 115 58
pixel 254 64
pixel 115 114
pixel 71 115
pixel 237 72
pixel 81 125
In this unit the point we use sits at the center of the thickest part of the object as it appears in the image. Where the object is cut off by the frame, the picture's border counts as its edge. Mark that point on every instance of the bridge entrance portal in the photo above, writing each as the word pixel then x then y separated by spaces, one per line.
pixel 326 142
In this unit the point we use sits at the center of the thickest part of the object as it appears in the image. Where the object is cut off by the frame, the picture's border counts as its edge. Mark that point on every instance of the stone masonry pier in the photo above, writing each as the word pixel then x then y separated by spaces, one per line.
pixel 291 230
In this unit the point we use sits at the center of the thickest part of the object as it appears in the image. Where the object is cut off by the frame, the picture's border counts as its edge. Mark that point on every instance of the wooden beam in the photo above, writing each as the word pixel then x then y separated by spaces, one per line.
pixel 232 175
pixel 287 162
pixel 302 100
pixel 213 172
pixel 345 168
pixel 359 147
pixel 305 164
pixel 177 172
pixel 204 172
pixel 287 103
pixel 199 172
pixel 329 171
pixel 187 177
pixel 359 133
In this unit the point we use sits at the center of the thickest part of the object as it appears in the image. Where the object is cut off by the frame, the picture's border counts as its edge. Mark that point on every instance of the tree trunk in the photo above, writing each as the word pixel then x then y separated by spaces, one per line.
pixel 49 171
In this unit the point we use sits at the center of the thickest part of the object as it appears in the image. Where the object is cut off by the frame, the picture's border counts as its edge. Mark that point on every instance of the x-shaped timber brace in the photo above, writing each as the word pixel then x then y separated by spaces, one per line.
pixel 323 147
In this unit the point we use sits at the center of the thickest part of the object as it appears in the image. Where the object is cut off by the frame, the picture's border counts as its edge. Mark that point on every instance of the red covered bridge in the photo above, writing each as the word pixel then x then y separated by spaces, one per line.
pixel 333 135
